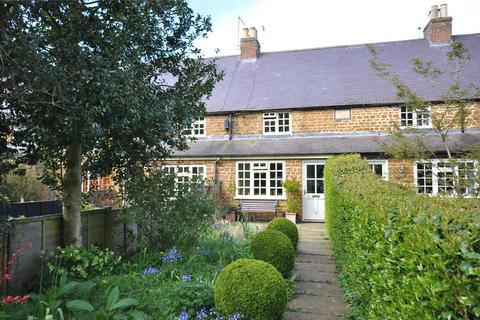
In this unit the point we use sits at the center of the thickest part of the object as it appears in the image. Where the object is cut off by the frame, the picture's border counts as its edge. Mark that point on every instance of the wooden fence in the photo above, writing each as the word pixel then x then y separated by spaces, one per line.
pixel 35 236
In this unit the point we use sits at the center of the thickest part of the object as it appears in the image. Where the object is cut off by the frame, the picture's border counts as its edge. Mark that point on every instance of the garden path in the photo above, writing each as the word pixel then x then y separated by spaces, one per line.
pixel 318 294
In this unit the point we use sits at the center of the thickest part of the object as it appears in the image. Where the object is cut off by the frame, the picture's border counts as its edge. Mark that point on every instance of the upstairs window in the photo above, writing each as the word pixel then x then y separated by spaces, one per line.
pixel 276 123
pixel 197 129
pixel 260 179
pixel 448 178
pixel 415 118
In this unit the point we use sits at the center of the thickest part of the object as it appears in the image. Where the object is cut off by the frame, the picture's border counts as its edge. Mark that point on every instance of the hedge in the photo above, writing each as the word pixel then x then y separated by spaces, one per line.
pixel 401 255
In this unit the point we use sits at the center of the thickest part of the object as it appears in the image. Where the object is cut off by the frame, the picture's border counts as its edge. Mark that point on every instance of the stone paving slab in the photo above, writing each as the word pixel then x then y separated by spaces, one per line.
pixel 308 316
pixel 316 276
pixel 309 266
pixel 318 289
pixel 315 258
pixel 327 306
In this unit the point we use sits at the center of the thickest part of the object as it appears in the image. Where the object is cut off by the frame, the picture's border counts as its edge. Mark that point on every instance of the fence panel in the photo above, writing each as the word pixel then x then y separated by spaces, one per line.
pixel 34 236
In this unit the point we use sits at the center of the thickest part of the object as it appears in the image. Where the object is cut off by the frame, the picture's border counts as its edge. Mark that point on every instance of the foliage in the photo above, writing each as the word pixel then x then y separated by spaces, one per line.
pixel 22 184
pixel 275 248
pixel 80 263
pixel 401 255
pixel 287 227
pixel 100 86
pixel 293 189
pixel 252 287
pixel 168 212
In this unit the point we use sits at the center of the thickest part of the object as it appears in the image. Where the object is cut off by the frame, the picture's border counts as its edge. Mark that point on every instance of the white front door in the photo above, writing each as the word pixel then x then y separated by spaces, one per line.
pixel 313 195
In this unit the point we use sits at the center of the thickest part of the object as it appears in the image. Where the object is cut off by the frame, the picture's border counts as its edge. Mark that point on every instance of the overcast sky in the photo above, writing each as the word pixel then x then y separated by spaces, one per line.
pixel 299 24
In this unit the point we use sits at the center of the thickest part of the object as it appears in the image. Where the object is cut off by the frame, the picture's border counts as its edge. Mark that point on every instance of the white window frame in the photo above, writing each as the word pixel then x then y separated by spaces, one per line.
pixel 198 124
pixel 275 118
pixel 268 180
pixel 186 175
pixel 384 164
pixel 435 175
pixel 415 117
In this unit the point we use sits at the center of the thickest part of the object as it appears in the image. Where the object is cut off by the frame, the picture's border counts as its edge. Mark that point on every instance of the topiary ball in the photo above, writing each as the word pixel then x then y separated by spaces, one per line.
pixel 275 248
pixel 287 227
pixel 253 288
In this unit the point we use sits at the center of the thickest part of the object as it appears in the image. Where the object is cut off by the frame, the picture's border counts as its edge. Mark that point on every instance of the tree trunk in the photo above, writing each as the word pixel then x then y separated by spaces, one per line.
pixel 72 196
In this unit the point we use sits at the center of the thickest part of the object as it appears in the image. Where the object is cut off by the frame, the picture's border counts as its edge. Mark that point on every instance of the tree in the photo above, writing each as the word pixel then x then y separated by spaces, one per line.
pixel 103 86
pixel 453 114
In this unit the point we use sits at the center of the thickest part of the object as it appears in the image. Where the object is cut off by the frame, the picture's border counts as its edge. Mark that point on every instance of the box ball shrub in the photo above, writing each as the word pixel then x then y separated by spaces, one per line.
pixel 287 227
pixel 253 288
pixel 275 248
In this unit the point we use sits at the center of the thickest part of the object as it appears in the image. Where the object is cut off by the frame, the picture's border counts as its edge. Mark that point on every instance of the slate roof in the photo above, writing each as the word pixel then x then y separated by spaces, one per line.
pixel 315 145
pixel 336 76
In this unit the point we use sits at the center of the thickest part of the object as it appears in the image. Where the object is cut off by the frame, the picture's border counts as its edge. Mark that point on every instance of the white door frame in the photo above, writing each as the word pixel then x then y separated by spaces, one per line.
pixel 304 185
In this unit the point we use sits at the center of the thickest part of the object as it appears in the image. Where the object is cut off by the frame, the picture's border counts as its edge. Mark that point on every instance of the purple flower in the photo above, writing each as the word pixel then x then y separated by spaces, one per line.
pixel 235 316
pixel 183 315
pixel 150 271
pixel 186 277
pixel 172 256
pixel 202 314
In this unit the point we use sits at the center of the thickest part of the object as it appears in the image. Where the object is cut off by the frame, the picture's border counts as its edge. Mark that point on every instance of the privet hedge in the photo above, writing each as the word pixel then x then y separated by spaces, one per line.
pixel 402 255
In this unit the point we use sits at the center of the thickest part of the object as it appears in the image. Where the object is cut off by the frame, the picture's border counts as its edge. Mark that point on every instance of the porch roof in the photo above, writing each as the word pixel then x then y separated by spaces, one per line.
pixel 318 145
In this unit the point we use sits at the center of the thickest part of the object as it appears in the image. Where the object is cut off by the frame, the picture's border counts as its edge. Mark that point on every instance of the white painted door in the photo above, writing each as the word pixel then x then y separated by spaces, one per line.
pixel 313 194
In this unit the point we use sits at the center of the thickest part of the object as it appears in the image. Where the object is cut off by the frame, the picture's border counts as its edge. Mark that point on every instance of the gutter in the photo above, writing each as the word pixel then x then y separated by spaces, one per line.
pixel 215 169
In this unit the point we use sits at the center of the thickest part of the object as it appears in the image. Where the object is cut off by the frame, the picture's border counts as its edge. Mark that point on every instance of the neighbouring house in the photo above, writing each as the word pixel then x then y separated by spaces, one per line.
pixel 280 115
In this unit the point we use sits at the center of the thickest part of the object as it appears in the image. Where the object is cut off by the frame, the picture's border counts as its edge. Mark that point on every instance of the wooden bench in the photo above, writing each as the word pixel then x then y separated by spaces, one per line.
pixel 257 206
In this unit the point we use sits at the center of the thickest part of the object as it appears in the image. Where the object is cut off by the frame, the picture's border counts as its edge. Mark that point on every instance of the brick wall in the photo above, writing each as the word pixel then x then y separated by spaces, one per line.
pixel 323 120
pixel 447 114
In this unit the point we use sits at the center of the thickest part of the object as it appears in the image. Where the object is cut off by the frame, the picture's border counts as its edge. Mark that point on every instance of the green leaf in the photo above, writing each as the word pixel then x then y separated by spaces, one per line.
pixel 124 303
pixel 66 288
pixel 60 313
pixel 137 315
pixel 79 305
pixel 113 297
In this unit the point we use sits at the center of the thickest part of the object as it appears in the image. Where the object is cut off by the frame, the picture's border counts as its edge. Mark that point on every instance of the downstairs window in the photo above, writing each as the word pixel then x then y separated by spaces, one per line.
pixel 260 179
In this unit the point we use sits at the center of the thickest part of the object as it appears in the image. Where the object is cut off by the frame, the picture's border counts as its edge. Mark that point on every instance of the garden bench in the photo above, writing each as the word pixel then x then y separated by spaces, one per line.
pixel 257 206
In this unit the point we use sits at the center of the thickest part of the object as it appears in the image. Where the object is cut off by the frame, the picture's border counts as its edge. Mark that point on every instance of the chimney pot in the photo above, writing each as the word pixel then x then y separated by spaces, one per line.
pixel 245 33
pixel 434 12
pixel 253 32
pixel 443 10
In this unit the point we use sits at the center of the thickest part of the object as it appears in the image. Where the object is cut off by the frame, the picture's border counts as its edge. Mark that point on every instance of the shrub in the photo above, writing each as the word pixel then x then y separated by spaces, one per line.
pixel 275 248
pixel 80 263
pixel 253 288
pixel 401 255
pixel 287 227
pixel 168 213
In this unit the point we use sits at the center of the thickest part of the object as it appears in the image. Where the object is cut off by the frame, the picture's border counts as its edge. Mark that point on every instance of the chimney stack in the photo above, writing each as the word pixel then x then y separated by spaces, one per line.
pixel 249 45
pixel 439 28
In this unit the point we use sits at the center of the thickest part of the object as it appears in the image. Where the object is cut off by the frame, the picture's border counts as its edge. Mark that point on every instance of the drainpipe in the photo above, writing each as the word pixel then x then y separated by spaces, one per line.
pixel 215 169
pixel 230 129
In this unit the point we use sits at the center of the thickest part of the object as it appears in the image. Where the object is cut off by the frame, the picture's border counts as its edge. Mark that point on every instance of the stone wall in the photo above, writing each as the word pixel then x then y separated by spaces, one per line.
pixel 378 119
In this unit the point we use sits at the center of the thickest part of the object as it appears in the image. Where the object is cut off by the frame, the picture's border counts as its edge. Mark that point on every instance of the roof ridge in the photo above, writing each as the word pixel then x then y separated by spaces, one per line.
pixel 342 46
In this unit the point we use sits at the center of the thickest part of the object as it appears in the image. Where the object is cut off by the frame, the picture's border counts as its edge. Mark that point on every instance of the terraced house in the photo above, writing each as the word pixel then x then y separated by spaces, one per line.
pixel 280 115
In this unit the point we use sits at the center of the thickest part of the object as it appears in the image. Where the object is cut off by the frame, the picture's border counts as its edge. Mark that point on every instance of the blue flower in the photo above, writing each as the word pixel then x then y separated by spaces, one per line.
pixel 183 315
pixel 219 267
pixel 150 271
pixel 202 314
pixel 172 256
pixel 186 277
pixel 235 316
pixel 204 251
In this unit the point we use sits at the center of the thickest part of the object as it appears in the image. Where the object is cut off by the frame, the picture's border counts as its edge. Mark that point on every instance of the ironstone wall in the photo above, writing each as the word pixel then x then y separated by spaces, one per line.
pixel 34 236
